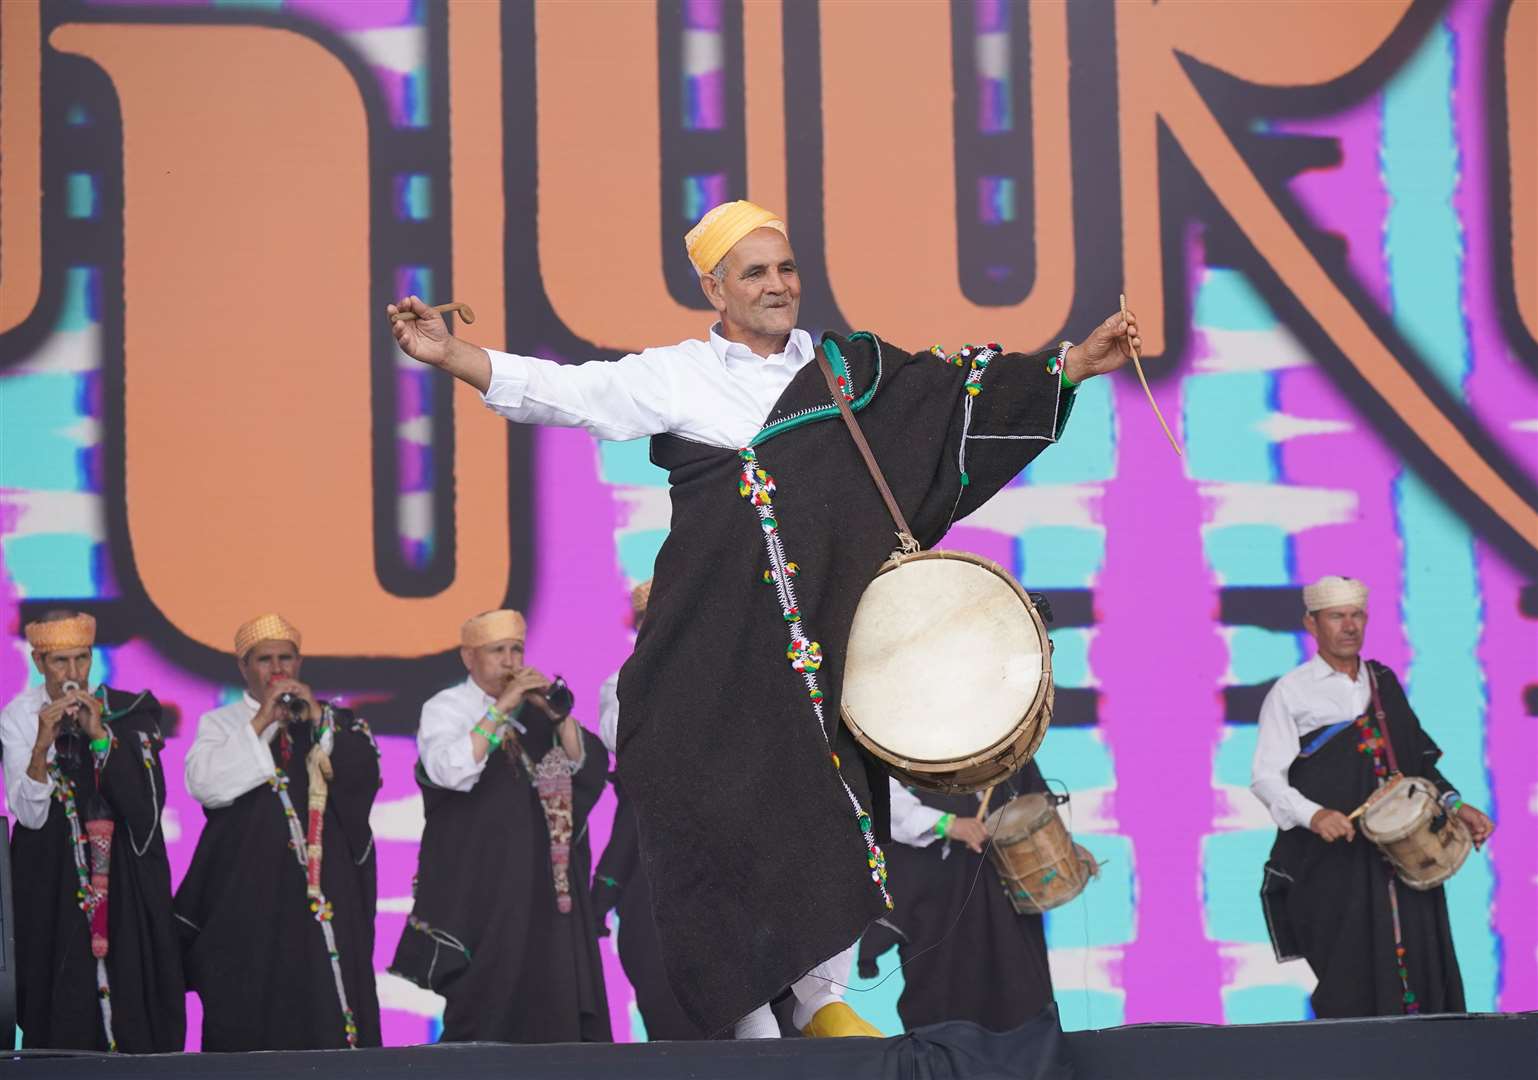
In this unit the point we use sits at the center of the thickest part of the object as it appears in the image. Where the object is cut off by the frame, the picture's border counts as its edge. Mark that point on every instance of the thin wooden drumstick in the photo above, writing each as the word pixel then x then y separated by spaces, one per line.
pixel 982 810
pixel 465 314
pixel 1137 362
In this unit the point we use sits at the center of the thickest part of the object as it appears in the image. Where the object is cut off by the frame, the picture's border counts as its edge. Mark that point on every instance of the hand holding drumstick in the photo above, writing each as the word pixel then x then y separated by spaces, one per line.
pixel 422 334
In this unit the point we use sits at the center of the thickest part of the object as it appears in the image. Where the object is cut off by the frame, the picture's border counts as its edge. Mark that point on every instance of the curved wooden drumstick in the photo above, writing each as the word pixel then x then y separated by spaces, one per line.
pixel 463 310
pixel 1137 362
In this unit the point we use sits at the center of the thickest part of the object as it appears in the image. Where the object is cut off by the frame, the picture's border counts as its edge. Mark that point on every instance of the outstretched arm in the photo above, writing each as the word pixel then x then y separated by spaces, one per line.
pixel 427 338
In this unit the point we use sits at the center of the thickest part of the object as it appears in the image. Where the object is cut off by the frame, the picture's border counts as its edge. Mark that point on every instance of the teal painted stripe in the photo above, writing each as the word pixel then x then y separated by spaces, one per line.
pixel 81 200
pixel 58 565
pixel 875 999
pixel 637 552
pixel 1076 759
pixel 1272 1004
pixel 36 451
pixel 629 464
pixel 1070 657
pixel 1255 655
pixel 1087 451
pixel 1235 753
pixel 1085 1010
pixel 1223 414
pixel 1231 863
pixel 1248 554
pixel 1442 602
pixel 1225 300
pixel 1061 556
pixel 1103 914
pixel 81 307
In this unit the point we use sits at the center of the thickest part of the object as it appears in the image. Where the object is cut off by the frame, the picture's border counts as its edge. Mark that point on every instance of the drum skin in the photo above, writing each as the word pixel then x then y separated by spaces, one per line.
pixel 1399 818
pixel 1039 865
pixel 948 677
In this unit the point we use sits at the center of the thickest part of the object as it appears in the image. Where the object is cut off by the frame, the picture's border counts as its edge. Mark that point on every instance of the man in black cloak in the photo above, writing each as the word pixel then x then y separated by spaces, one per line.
pixel 277 908
pixel 97 961
pixel 966 953
pixel 1377 947
pixel 767 879
pixel 503 923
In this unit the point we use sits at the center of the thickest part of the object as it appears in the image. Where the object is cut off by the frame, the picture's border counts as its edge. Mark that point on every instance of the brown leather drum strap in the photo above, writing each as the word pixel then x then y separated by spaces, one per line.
pixel 904 534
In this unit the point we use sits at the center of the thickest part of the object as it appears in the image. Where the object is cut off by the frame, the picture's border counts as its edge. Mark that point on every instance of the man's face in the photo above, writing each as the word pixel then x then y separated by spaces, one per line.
pixel 761 292
pixel 1338 630
pixel 493 665
pixel 267 661
pixel 62 666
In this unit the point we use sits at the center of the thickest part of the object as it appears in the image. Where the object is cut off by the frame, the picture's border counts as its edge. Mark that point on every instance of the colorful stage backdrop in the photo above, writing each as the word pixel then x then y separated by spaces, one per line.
pixel 1326 216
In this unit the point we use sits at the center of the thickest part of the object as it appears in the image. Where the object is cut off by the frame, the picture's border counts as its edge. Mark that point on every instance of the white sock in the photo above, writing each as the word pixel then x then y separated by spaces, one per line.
pixel 758 1024
pixel 823 985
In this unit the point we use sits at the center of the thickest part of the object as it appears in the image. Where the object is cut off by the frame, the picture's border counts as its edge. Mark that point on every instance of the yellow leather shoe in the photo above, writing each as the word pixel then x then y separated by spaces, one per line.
pixel 837 1020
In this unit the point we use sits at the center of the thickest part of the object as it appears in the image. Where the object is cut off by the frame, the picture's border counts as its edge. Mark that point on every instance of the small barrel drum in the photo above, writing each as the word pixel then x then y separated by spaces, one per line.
pixel 1039 865
pixel 1425 845
pixel 948 677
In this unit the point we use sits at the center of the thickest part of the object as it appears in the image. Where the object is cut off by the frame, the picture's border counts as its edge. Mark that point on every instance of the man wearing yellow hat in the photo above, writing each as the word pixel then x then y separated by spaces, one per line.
pixel 769 878
pixel 1331 731
pixel 277 908
pixel 502 925
pixel 97 961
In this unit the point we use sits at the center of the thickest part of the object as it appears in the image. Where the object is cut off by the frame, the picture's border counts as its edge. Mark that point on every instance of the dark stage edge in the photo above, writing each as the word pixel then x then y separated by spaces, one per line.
pixel 1486 1046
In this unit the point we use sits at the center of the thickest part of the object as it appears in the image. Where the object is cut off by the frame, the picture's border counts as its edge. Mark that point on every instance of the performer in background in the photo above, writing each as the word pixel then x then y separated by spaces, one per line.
pixel 619 883
pixel 97 961
pixel 277 908
pixel 966 953
pixel 767 876
pixel 503 923
pixel 1326 891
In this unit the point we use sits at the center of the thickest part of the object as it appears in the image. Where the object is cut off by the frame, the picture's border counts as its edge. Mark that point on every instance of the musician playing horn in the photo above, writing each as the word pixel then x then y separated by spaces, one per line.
pixel 1377 948
pixel 277 908
pixel 767 878
pixel 98 964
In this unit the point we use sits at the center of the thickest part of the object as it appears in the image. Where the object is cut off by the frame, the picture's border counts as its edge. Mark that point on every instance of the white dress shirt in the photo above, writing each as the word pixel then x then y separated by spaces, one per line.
pixel 27 798
pixel 717 392
pixel 608 713
pixel 228 758
pixel 1311 696
pixel 443 735
pixel 913 823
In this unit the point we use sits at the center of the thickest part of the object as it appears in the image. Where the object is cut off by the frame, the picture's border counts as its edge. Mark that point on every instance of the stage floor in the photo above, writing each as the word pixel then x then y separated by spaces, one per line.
pixel 1490 1047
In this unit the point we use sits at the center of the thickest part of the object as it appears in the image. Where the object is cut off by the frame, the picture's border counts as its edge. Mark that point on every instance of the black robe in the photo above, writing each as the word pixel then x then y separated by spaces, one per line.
pixel 56 985
pixel 756 882
pixel 966 953
pixel 619 883
pixel 255 952
pixel 484 931
pixel 1329 902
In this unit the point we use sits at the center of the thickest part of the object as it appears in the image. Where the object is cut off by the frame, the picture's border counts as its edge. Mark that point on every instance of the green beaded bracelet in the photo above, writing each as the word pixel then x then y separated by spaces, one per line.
pixel 944 824
pixel 494 740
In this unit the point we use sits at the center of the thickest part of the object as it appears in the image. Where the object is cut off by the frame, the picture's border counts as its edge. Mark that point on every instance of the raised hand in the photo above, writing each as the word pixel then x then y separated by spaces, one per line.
pixel 425 338
pixel 1107 348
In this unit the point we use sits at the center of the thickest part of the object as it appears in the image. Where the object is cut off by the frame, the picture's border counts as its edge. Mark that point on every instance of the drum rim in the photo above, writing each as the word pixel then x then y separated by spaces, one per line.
pixel 1041 704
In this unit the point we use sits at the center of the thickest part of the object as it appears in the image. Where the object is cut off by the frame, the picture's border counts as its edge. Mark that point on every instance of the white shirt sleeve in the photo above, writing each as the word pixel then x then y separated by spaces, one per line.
pixel 227 759
pixel 913 823
pixel 1276 748
pixel 625 399
pixel 27 798
pixel 608 712
pixel 443 743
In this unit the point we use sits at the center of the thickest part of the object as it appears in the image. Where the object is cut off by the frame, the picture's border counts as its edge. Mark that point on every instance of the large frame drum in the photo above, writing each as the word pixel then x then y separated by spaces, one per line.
pixel 1402 818
pixel 948 677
